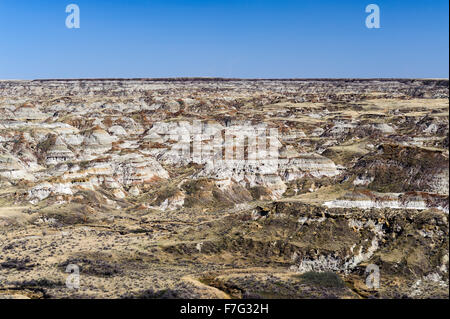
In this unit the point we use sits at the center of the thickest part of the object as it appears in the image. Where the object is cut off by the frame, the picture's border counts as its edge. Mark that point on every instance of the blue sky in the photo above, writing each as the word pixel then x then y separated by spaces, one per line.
pixel 224 38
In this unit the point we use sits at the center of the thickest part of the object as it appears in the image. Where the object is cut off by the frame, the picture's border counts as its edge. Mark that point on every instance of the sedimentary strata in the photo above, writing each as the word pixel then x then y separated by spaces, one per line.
pixel 212 188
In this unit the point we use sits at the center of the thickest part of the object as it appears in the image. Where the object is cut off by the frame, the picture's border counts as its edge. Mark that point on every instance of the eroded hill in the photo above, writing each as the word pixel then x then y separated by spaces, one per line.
pixel 209 188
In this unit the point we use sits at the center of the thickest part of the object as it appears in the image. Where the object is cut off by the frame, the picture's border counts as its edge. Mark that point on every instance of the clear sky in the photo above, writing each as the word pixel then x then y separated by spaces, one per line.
pixel 223 38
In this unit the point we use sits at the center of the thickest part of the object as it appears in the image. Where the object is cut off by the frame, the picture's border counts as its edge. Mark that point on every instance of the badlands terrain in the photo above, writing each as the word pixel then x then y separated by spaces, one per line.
pixel 221 188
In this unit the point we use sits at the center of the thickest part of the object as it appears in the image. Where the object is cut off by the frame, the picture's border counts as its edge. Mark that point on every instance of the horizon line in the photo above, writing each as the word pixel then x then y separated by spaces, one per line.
pixel 227 79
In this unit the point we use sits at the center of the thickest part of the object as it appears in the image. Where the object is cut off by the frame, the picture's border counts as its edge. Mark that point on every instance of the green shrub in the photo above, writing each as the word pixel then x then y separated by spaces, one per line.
pixel 323 279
